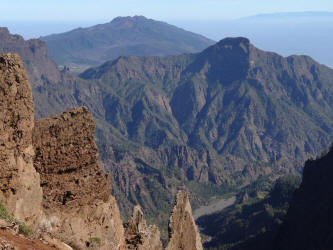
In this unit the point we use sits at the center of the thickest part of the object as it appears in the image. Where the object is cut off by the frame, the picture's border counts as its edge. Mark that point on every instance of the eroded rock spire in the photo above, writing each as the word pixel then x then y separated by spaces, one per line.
pixel 183 232
pixel 140 236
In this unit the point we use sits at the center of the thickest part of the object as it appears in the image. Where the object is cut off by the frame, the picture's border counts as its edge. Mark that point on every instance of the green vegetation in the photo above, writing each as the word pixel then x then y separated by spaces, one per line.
pixel 23 229
pixel 252 216
pixel 95 241
pixel 123 36
pixel 205 122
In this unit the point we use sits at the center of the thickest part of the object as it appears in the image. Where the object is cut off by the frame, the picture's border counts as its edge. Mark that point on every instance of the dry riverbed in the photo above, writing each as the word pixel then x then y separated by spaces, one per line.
pixel 214 207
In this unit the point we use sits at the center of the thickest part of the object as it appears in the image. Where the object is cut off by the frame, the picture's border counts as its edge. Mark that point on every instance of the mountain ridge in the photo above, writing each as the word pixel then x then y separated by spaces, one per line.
pixel 51 180
pixel 210 122
pixel 164 123
pixel 136 35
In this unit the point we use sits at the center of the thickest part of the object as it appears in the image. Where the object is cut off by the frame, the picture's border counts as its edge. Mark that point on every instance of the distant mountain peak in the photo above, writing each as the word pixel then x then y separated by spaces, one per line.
pixel 229 59
pixel 4 30
pixel 233 41
pixel 129 18
pixel 230 44
pixel 131 35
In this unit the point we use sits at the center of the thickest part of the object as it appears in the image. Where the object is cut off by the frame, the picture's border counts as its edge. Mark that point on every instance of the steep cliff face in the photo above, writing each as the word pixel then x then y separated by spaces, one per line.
pixel 183 233
pixel 77 194
pixel 44 75
pixel 224 116
pixel 20 189
pixel 308 225
pixel 139 235
pixel 34 56
pixel 51 180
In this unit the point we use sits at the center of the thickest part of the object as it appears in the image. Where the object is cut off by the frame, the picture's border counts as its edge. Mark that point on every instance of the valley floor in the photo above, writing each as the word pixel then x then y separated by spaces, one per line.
pixel 214 207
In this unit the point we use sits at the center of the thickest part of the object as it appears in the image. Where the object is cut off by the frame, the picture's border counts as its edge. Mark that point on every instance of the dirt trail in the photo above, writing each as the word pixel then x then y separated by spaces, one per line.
pixel 9 240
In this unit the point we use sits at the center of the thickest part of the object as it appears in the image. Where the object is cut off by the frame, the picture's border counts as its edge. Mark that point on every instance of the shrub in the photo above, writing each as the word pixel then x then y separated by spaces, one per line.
pixel 95 241
pixel 23 228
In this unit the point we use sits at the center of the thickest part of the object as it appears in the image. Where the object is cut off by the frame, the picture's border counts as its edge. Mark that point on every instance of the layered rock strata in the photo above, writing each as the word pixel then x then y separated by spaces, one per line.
pixel 20 189
pixel 139 235
pixel 77 194
pixel 183 232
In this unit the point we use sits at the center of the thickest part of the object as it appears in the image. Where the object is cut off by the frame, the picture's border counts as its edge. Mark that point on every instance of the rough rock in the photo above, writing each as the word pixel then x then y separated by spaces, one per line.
pixel 139 235
pixel 20 188
pixel 11 241
pixel 183 232
pixel 77 194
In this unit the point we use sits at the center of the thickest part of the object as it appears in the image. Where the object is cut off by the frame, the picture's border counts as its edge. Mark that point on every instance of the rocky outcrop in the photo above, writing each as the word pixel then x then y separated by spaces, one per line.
pixel 77 194
pixel 183 233
pixel 139 235
pixel 50 179
pixel 20 189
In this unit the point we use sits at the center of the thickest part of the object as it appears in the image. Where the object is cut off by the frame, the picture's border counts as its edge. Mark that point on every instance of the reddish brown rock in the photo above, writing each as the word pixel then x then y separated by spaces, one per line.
pixel 19 182
pixel 77 194
pixel 183 233
pixel 139 235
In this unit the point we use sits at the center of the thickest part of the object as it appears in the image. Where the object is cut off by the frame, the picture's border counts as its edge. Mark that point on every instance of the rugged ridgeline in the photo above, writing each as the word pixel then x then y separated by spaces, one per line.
pixel 34 55
pixel 224 117
pixel 308 224
pixel 45 78
pixel 219 118
pixel 136 35
pixel 50 179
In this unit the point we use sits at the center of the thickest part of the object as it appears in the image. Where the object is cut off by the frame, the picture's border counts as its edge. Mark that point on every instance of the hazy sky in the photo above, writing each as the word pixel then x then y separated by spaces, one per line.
pixel 48 10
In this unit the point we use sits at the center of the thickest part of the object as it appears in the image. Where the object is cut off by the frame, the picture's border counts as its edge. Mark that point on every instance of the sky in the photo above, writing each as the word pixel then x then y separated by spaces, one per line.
pixel 88 10
pixel 214 19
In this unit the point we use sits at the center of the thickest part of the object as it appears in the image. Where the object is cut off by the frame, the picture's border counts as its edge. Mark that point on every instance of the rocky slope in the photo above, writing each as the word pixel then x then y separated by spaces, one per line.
pixel 51 180
pixel 223 116
pixel 253 221
pixel 219 118
pixel 309 221
pixel 10 239
pixel 136 35
pixel 77 205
